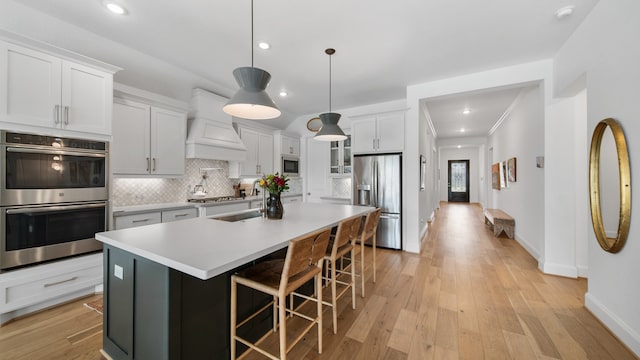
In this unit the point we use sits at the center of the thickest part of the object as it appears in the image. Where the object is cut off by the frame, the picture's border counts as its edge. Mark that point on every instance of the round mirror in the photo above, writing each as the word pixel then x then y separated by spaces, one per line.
pixel 610 185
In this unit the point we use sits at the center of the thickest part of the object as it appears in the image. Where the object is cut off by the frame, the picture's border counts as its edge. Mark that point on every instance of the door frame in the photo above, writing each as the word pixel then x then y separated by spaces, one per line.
pixel 467 195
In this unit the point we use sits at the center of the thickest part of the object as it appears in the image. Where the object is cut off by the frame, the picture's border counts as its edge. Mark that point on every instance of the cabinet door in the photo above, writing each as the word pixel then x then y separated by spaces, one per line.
pixel 30 86
pixel 87 95
pixel 390 132
pixel 290 146
pixel 317 166
pixel 129 221
pixel 251 141
pixel 363 135
pixel 181 214
pixel 265 154
pixel 129 150
pixel 168 134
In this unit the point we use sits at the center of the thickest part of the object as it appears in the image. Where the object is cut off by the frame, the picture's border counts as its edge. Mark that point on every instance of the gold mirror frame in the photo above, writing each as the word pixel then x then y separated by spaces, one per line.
pixel 612 245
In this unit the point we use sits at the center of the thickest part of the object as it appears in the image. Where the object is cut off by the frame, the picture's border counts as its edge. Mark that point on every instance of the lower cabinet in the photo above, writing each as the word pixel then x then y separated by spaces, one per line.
pixel 153 217
pixel 40 284
pixel 291 199
pixel 222 209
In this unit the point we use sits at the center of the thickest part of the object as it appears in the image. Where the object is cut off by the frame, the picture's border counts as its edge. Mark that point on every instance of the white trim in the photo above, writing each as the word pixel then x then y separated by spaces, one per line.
pixel 617 326
pixel 559 269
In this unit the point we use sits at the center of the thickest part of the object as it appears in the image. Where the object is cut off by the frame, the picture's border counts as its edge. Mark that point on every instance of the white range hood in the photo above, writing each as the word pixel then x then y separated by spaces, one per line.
pixel 210 132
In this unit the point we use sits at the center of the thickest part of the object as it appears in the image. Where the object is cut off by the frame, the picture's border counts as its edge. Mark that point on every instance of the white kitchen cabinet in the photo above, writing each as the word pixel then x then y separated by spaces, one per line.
pixel 42 90
pixel 147 140
pixel 180 214
pixel 378 133
pixel 340 155
pixel 135 220
pixel 47 284
pixel 259 154
pixel 223 209
pixel 289 146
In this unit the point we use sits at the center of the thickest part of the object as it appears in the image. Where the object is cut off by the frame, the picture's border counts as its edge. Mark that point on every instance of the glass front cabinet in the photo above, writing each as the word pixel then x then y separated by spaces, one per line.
pixel 341 157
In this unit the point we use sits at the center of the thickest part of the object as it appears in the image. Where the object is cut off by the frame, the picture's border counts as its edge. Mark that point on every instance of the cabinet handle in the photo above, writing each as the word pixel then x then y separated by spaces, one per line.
pixel 60 282
pixel 141 220
pixel 148 164
pixel 290 149
pixel 374 143
pixel 154 165
pixel 56 114
pixel 66 115
pixel 181 215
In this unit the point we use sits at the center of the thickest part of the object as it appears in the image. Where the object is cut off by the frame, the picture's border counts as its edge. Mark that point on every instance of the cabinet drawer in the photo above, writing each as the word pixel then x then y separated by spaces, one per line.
pixel 182 214
pixel 31 286
pixel 128 221
pixel 221 209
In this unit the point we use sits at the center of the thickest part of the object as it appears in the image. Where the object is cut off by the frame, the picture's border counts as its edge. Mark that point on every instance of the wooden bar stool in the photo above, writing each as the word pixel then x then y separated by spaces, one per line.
pixel 369 231
pixel 342 244
pixel 280 278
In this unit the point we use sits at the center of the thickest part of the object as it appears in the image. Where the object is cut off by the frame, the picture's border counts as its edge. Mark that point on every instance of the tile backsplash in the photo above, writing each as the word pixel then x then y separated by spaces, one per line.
pixel 341 187
pixel 142 191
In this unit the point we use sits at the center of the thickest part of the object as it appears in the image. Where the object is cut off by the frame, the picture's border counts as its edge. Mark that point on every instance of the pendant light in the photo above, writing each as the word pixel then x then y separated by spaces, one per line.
pixel 330 131
pixel 252 101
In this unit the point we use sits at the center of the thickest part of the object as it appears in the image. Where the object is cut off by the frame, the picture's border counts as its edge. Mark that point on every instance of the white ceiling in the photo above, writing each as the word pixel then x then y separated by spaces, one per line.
pixel 382 45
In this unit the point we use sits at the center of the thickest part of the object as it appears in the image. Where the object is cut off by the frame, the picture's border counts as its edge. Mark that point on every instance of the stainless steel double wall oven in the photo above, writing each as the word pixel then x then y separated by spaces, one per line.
pixel 53 197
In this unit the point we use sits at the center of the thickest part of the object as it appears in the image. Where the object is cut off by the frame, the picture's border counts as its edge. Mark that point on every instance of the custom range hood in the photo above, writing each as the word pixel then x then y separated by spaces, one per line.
pixel 210 132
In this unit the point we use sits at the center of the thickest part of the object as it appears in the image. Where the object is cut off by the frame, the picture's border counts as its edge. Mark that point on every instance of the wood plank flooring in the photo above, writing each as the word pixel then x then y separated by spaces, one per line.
pixel 468 295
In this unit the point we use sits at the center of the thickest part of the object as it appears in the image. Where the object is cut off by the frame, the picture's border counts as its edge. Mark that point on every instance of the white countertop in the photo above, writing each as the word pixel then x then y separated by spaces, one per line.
pixel 204 247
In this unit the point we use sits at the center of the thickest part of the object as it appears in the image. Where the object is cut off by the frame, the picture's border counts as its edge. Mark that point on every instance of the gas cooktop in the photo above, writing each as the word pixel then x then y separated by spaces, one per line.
pixel 215 199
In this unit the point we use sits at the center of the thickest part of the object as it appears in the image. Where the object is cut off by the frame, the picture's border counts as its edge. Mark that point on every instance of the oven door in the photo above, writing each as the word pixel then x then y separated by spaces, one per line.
pixel 44 176
pixel 31 234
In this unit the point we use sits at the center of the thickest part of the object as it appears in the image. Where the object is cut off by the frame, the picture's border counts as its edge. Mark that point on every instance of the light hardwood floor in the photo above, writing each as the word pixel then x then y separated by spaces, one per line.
pixel 468 295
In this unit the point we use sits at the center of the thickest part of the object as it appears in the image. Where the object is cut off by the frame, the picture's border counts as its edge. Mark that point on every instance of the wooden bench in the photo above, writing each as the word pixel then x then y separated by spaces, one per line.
pixel 500 221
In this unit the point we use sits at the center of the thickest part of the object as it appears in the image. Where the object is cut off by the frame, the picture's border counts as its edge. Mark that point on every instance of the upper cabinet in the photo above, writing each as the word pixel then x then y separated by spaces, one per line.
pixel 289 146
pixel 147 140
pixel 378 133
pixel 45 91
pixel 259 161
pixel 340 154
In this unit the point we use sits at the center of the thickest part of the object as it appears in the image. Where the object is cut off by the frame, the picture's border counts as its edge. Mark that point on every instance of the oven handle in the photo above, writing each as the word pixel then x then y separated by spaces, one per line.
pixel 54 152
pixel 53 208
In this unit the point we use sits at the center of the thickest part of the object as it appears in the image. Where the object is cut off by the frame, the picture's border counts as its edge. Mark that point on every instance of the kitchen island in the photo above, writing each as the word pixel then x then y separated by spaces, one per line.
pixel 167 285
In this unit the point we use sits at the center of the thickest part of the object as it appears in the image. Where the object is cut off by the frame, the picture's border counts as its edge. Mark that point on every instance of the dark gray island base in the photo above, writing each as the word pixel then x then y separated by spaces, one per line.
pixel 156 312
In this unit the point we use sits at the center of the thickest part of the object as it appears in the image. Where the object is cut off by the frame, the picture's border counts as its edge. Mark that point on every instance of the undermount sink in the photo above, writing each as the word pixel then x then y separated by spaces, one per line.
pixel 239 216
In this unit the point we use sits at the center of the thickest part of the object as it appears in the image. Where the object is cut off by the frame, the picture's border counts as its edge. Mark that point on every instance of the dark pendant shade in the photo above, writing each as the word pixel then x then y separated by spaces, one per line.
pixel 252 101
pixel 330 130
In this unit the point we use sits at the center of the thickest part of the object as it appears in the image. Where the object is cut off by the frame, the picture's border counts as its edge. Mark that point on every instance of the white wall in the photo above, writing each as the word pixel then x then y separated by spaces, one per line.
pixel 521 135
pixel 606 48
pixel 465 153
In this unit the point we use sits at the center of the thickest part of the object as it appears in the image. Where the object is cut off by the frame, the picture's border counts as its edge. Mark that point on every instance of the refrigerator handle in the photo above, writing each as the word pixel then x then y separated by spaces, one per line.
pixel 374 180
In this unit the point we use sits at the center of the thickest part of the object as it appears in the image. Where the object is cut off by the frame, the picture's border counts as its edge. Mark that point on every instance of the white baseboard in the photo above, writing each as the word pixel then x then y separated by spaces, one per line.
pixel 617 326
pixel 583 271
pixel 559 270
pixel 533 252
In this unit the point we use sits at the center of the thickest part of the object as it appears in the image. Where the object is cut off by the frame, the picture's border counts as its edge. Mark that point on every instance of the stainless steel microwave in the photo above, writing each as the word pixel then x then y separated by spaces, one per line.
pixel 290 166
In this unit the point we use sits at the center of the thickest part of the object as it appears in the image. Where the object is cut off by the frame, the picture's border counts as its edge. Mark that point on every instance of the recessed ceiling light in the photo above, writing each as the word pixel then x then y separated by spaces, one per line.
pixel 459 146
pixel 283 93
pixel 263 45
pixel 563 12
pixel 115 7
pixel 466 111
pixel 461 129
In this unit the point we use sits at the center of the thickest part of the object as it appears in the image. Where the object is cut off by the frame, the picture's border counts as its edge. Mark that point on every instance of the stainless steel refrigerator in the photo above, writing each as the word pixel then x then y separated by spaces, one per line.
pixel 377 181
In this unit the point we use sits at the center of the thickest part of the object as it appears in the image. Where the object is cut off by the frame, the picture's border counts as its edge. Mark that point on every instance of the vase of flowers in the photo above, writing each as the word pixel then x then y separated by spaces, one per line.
pixel 275 184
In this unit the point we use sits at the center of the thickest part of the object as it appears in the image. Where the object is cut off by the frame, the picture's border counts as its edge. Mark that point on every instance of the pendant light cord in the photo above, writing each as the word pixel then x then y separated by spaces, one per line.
pixel 329 81
pixel 251 33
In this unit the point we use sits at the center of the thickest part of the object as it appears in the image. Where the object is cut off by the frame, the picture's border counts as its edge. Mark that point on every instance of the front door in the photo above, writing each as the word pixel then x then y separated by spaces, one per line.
pixel 458 181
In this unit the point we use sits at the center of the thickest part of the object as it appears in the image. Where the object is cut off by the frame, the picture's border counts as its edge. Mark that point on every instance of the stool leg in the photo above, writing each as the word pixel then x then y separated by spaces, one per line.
pixel 233 314
pixel 275 313
pixel 353 279
pixel 334 300
pixel 362 266
pixel 374 257
pixel 282 300
pixel 319 309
